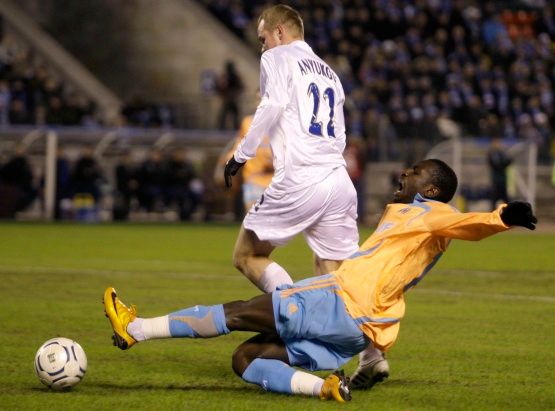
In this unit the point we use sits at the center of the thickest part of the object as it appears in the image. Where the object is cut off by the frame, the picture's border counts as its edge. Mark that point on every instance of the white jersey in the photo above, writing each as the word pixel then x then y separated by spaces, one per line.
pixel 302 112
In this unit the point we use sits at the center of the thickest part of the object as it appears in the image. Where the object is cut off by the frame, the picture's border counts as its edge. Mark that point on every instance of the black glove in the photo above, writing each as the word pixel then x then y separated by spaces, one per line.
pixel 231 168
pixel 519 213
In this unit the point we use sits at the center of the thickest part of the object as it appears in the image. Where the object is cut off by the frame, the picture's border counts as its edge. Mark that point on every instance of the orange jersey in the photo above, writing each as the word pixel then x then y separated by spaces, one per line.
pixel 258 170
pixel 409 240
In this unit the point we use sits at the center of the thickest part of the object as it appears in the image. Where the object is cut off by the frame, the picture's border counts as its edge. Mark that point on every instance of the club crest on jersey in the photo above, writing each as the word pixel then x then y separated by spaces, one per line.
pixel 315 67
pixel 404 210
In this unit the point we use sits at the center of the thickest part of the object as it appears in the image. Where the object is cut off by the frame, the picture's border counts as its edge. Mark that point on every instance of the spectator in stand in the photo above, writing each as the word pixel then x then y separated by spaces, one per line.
pixel 498 162
pixel 239 19
pixel 5 99
pixel 30 93
pixel 55 111
pixel 178 190
pixel 73 110
pixel 17 188
pixel 151 177
pixel 18 113
pixel 127 185
pixel 545 21
pixel 229 87
pixel 87 175
pixel 493 27
pixel 63 184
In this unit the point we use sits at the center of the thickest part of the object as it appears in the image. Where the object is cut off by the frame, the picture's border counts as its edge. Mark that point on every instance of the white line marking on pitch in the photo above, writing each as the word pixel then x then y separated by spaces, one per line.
pixel 539 298
pixel 5 268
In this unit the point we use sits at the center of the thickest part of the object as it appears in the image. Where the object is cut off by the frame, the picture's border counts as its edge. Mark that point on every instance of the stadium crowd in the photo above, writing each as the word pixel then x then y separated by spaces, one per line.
pixel 160 182
pixel 405 65
pixel 31 93
pixel 488 66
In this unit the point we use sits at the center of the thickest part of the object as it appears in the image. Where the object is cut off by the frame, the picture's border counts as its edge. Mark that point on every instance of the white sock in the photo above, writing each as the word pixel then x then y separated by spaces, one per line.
pixel 148 328
pixel 305 383
pixel 273 276
pixel 135 329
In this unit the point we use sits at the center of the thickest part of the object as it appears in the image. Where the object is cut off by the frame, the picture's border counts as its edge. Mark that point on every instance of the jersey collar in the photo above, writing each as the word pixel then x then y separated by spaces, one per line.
pixel 420 199
pixel 301 43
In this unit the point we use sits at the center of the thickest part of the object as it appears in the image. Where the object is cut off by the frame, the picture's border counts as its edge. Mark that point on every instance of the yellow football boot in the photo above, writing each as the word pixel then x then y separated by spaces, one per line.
pixel 336 387
pixel 120 316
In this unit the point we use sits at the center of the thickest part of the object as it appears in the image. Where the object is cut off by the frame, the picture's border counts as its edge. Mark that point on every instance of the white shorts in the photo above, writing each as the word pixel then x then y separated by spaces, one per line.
pixel 326 214
pixel 252 192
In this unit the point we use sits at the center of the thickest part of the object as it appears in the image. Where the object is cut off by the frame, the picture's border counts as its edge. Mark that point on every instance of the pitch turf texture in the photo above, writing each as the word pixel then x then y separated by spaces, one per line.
pixel 478 333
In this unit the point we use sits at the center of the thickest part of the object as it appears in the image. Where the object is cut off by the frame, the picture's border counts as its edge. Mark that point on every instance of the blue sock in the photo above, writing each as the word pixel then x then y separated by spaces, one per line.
pixel 271 375
pixel 198 321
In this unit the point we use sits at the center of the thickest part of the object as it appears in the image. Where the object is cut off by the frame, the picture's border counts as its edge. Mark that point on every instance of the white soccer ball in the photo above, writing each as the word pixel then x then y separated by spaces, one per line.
pixel 60 363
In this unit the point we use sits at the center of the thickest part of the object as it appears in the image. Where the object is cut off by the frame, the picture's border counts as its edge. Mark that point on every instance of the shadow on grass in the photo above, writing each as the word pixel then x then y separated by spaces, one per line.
pixel 161 387
pixel 426 383
pixel 401 382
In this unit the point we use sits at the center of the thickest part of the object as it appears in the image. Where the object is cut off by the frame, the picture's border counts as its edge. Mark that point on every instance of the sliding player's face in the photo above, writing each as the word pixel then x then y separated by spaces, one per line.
pixel 268 38
pixel 416 179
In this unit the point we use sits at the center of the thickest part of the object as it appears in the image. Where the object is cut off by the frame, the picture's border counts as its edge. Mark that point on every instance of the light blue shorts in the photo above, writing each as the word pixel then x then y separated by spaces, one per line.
pixel 312 321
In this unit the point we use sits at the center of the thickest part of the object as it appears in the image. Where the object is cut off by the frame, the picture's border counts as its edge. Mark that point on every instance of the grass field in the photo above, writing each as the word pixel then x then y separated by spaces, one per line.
pixel 479 332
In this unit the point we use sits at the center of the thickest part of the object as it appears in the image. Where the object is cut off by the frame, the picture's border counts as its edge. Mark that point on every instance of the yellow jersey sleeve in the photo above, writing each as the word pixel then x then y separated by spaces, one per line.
pixel 258 170
pixel 463 226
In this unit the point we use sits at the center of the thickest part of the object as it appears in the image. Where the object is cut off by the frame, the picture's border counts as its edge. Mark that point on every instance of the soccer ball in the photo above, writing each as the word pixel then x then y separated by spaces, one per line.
pixel 60 363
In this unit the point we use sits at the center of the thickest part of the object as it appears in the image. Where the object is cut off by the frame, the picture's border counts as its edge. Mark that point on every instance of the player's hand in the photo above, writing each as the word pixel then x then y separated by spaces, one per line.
pixel 231 168
pixel 519 213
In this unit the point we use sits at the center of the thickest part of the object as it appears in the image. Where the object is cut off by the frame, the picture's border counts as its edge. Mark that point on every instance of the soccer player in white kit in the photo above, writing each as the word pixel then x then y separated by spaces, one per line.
pixel 301 109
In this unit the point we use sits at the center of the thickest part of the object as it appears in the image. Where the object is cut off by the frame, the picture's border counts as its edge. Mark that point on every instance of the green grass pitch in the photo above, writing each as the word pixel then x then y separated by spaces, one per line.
pixel 479 331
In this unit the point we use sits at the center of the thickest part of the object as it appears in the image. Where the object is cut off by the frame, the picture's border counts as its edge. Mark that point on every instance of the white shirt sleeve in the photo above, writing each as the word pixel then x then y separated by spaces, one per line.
pixel 275 97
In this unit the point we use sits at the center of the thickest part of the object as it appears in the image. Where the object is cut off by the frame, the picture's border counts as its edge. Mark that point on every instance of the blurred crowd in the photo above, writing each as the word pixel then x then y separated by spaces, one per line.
pixel 30 93
pixel 410 68
pixel 405 64
pixel 159 183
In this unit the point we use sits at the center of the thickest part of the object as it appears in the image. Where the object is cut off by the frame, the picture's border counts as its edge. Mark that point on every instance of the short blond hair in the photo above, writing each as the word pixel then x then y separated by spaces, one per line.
pixel 284 15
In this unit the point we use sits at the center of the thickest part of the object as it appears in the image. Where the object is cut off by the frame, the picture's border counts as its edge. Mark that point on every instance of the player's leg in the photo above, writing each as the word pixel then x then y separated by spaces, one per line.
pixel 273 221
pixel 313 322
pixel 333 236
pixel 263 360
pixel 324 266
pixel 338 220
pixel 251 256
pixel 372 369
pixel 194 322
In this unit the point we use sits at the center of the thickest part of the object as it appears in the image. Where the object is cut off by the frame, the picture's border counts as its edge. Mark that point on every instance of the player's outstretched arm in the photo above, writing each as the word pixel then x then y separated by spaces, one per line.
pixel 519 213
pixel 475 226
pixel 231 168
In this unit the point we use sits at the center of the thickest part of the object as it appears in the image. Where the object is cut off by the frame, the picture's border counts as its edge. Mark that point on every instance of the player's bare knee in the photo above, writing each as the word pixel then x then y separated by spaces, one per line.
pixel 240 261
pixel 233 314
pixel 240 360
